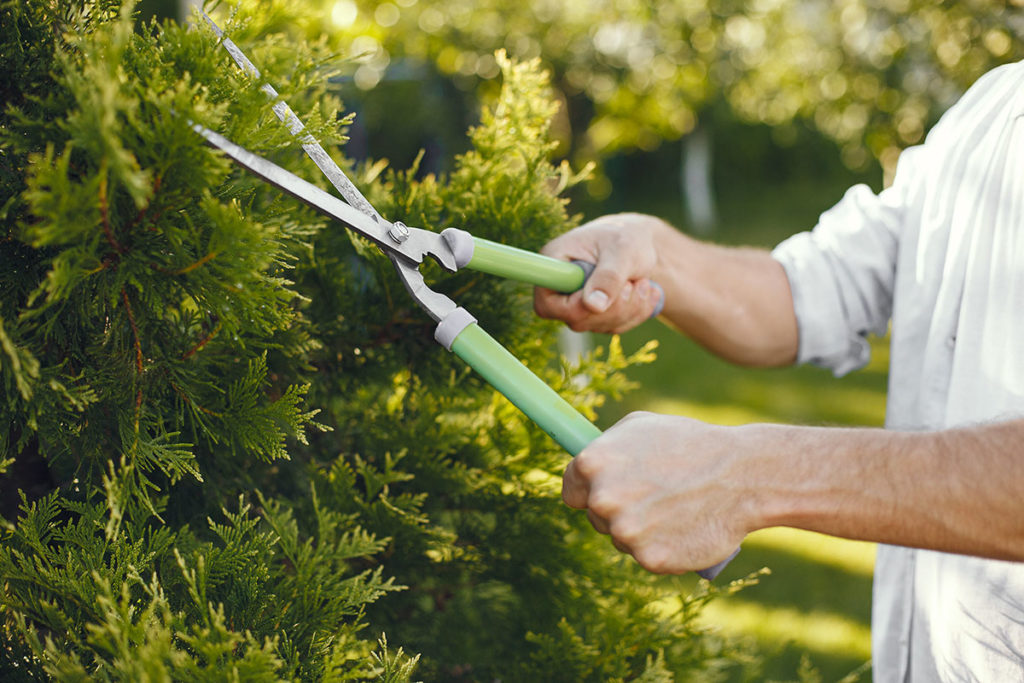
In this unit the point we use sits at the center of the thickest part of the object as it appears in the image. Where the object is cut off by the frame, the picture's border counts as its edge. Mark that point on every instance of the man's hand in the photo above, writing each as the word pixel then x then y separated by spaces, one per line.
pixel 735 302
pixel 680 495
pixel 669 490
pixel 618 295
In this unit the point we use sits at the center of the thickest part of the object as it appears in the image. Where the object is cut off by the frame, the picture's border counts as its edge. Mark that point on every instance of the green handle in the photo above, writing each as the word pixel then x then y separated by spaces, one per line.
pixel 537 400
pixel 525 266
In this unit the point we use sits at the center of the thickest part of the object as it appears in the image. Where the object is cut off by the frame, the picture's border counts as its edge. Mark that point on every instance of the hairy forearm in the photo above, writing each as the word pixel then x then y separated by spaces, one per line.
pixel 735 302
pixel 679 494
pixel 954 490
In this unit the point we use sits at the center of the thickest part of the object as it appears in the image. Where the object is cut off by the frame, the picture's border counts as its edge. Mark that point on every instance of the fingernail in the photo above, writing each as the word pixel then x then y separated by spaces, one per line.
pixel 596 300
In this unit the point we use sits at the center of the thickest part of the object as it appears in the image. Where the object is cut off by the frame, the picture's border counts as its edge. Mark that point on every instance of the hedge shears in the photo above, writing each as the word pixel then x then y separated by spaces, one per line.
pixel 453 249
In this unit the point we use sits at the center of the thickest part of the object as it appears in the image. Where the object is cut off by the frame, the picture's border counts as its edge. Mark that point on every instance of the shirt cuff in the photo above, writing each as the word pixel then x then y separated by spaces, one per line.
pixel 824 336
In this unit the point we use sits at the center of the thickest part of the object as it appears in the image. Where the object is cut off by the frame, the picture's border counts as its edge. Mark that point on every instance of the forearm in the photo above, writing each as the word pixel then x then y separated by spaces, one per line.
pixel 679 494
pixel 955 490
pixel 735 302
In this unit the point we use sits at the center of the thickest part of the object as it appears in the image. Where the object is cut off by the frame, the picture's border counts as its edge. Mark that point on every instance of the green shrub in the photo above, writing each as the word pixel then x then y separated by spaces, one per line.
pixel 238 453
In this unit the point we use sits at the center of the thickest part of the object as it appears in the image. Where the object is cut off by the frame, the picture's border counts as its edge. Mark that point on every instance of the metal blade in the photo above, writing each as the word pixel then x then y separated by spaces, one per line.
pixel 310 144
pixel 371 226
pixel 406 247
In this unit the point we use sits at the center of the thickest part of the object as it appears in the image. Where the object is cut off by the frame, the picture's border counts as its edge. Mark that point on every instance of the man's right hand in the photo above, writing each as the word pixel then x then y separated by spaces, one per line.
pixel 618 295
pixel 733 301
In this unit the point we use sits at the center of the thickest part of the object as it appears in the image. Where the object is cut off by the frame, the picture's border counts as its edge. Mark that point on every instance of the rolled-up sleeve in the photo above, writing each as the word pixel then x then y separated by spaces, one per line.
pixel 842 274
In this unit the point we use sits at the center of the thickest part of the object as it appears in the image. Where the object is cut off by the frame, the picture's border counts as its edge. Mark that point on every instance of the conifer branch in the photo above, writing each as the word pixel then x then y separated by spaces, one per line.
pixel 192 266
pixel 138 365
pixel 389 333
pixel 415 469
pixel 186 399
pixel 105 211
pixel 141 215
pixel 135 330
pixel 202 342
pixel 106 263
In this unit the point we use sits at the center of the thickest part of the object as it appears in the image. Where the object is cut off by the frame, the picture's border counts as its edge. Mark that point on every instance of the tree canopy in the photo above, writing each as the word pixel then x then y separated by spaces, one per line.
pixel 870 74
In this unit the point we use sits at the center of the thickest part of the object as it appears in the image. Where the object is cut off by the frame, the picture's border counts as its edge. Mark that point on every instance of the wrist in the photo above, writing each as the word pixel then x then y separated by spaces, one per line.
pixel 813 477
pixel 767 492
pixel 672 252
pixel 653 233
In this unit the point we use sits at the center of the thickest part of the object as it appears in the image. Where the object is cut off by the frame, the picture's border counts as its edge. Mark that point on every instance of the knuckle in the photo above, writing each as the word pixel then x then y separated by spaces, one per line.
pixel 609 323
pixel 596 521
pixel 621 328
pixel 603 505
pixel 574 491
pixel 571 499
pixel 550 249
pixel 549 305
pixel 626 531
pixel 556 248
pixel 587 464
pixel 637 415
pixel 653 558
pixel 575 316
pixel 540 305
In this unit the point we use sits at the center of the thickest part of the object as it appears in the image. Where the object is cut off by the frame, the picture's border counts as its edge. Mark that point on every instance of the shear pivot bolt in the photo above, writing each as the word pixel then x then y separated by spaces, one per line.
pixel 398 232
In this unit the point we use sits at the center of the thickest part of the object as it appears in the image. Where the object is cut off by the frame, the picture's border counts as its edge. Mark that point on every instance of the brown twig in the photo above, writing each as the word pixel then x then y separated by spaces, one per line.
pixel 141 215
pixel 138 364
pixel 187 269
pixel 202 342
pixel 192 403
pixel 105 213
pixel 135 330
pixel 192 266
pixel 466 287
pixel 387 334
pixel 104 264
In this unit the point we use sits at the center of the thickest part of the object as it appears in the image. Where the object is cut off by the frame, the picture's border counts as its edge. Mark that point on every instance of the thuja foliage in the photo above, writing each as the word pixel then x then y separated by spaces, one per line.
pixel 229 447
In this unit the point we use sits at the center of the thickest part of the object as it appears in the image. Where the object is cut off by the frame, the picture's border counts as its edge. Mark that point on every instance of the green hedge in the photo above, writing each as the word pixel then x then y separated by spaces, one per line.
pixel 238 453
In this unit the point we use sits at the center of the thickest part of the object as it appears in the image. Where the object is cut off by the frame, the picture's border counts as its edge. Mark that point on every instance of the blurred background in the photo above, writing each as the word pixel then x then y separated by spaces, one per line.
pixel 736 121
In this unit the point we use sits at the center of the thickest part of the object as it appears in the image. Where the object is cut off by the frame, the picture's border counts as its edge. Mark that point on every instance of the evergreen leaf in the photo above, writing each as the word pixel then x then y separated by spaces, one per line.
pixel 170 329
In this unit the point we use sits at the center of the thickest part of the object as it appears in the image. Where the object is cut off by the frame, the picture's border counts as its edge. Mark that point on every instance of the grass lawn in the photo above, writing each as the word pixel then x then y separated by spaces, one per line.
pixel 816 601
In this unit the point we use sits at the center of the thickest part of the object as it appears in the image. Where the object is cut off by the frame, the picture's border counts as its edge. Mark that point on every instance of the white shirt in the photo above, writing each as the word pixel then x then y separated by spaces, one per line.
pixel 941 254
